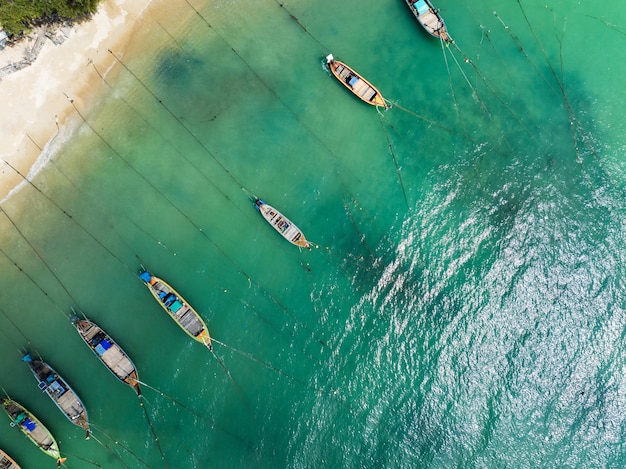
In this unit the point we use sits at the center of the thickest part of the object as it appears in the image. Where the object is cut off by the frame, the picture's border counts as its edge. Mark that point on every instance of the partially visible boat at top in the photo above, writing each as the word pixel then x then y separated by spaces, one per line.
pixel 34 430
pixel 355 82
pixel 6 462
pixel 179 310
pixel 429 18
pixel 60 392
pixel 108 352
pixel 282 224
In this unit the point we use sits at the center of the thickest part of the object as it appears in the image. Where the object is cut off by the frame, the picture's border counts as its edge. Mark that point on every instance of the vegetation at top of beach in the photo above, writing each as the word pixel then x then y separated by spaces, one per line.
pixel 18 16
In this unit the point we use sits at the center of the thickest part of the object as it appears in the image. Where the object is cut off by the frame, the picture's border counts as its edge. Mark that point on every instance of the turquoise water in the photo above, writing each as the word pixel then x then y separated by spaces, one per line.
pixel 467 310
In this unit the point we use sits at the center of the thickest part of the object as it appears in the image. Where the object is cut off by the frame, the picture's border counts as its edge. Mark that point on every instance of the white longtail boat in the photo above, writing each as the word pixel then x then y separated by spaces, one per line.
pixel 349 78
pixel 60 392
pixel 282 224
pixel 6 462
pixel 108 352
pixel 429 18
pixel 34 430
pixel 177 308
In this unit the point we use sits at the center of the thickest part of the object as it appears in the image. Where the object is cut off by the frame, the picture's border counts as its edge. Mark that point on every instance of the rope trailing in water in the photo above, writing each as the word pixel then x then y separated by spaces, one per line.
pixel 574 122
pixel 71 217
pixel 112 453
pixel 299 23
pixel 153 432
pixel 211 422
pixel 395 162
pixel 117 443
pixel 38 255
pixel 231 379
pixel 209 152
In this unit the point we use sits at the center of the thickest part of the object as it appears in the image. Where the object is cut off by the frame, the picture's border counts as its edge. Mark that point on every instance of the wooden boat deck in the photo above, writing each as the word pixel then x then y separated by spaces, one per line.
pixel 359 86
pixel 185 315
pixel 6 462
pixel 61 393
pixel 355 82
pixel 282 224
pixel 114 357
pixel 430 19
pixel 39 435
pixel 179 310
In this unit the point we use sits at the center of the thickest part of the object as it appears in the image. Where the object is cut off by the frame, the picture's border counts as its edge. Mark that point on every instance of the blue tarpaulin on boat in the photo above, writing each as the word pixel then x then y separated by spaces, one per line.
pixel 145 276
pixel 176 306
pixel 103 346
pixel 353 80
pixel 29 424
pixel 421 7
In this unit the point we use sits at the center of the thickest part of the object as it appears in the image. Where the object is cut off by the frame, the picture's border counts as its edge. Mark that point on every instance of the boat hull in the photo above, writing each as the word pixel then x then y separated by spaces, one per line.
pixel 7 462
pixel 358 85
pixel 282 224
pixel 108 352
pixel 177 308
pixel 60 392
pixel 32 428
pixel 429 18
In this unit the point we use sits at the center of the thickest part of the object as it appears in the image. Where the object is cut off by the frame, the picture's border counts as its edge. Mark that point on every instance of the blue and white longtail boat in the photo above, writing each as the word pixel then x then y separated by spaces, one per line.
pixel 282 224
pixel 429 18
pixel 60 392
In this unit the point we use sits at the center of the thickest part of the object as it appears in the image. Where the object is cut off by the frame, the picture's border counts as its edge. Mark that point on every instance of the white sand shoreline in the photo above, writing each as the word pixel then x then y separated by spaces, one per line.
pixel 36 110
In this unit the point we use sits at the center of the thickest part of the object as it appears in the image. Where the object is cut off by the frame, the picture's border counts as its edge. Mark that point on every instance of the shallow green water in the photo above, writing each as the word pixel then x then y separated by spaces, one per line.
pixel 476 322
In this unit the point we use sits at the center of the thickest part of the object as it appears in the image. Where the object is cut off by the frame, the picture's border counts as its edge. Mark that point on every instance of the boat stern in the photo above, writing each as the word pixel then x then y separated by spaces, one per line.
pixel 330 58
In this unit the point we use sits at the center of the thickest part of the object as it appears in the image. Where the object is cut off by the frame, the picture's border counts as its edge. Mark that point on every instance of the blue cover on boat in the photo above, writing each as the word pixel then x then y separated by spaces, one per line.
pixel 100 349
pixel 29 424
pixel 421 7
pixel 145 276
pixel 176 306
pixel 353 80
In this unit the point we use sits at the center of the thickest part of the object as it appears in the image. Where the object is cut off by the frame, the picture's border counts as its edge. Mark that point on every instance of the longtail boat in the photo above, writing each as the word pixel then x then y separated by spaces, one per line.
pixel 355 82
pixel 429 18
pixel 6 462
pixel 108 352
pixel 282 224
pixel 178 309
pixel 34 430
pixel 60 392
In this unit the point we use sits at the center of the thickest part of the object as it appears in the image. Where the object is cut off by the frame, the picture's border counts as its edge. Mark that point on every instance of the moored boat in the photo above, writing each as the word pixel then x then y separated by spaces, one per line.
pixel 6 462
pixel 355 82
pixel 429 18
pixel 34 430
pixel 179 310
pixel 108 352
pixel 60 392
pixel 282 224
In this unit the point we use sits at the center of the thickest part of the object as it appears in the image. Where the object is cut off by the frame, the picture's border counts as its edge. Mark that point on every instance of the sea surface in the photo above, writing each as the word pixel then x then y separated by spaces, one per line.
pixel 464 305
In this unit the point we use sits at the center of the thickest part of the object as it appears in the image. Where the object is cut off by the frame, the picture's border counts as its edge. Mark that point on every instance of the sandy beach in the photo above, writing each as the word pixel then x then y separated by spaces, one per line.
pixel 36 99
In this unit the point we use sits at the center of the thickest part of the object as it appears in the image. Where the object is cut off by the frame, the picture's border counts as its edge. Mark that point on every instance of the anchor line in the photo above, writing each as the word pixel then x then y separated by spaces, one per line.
pixel 38 255
pixel 112 453
pixel 117 443
pixel 573 119
pixel 184 406
pixel 156 131
pixel 456 102
pixel 395 162
pixel 209 152
pixel 491 89
pixel 299 23
pixel 153 432
pixel 71 217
